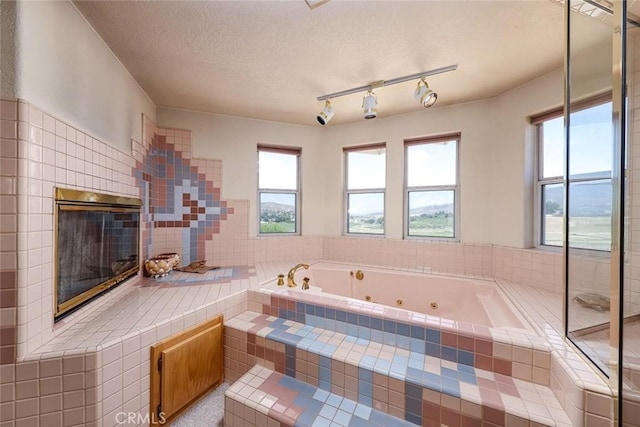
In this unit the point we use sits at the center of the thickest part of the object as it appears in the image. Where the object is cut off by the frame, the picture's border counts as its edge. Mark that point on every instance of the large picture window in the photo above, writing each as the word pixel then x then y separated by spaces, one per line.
pixel 589 175
pixel 278 190
pixel 365 189
pixel 431 185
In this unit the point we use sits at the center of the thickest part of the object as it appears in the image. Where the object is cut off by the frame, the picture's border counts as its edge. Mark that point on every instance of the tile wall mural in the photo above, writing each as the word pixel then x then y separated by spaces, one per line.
pixel 178 193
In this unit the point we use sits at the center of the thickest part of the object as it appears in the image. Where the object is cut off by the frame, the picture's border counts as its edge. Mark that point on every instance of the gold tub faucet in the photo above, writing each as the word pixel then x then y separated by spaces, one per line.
pixel 290 282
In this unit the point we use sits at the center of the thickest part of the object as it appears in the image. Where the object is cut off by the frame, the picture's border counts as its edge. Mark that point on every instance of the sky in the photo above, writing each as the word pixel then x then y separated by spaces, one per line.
pixel 591 136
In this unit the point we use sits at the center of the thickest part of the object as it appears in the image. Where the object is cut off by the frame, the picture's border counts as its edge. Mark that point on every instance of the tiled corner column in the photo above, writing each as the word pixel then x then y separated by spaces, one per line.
pixel 8 230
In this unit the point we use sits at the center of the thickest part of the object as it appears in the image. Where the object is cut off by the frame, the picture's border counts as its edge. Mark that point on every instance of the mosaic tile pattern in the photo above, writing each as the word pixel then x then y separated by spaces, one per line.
pixel 177 194
pixel 467 344
pixel 219 275
pixel 368 372
pixel 292 402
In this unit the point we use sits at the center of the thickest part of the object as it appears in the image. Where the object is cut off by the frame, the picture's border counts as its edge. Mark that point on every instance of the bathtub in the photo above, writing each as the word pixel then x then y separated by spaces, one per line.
pixel 480 302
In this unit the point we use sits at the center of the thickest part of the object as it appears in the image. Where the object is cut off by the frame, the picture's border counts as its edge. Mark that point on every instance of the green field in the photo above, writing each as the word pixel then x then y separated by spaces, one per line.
pixel 431 226
pixel 277 227
pixel 592 232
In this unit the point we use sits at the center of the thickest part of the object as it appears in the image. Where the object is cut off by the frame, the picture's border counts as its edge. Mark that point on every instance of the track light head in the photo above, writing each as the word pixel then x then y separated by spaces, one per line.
pixel 326 114
pixel 369 103
pixel 424 95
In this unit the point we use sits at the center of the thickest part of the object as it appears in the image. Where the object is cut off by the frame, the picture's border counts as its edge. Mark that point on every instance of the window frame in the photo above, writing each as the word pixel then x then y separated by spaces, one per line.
pixel 456 137
pixel 347 192
pixel 537 121
pixel 296 151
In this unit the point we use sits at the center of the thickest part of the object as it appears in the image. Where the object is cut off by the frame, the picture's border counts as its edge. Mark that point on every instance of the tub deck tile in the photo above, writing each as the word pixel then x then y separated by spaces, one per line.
pixel 420 372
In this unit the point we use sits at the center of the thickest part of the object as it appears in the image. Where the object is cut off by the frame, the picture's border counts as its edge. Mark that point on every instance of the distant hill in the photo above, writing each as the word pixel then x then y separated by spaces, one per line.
pixel 277 207
pixel 430 210
pixel 586 199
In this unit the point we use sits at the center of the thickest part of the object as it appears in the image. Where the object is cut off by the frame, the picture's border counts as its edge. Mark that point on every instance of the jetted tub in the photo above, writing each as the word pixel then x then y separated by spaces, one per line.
pixel 475 301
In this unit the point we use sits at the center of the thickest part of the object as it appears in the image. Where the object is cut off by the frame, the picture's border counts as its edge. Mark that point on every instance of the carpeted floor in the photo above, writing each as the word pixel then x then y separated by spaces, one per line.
pixel 206 412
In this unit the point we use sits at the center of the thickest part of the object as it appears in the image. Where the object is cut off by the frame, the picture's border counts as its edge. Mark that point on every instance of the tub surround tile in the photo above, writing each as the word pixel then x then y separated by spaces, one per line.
pixel 269 340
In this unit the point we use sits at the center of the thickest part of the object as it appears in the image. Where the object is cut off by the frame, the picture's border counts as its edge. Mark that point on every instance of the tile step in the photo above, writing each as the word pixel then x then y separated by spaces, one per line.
pixel 265 398
pixel 422 389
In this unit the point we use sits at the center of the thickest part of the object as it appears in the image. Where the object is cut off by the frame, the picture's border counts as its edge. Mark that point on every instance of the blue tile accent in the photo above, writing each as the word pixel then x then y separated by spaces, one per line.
pixel 342 418
pixel 352 318
pixel 352 329
pixel 324 362
pixel 389 338
pixel 403 342
pixel 403 329
pixel 449 353
pixel 465 357
pixel 365 375
pixel 432 349
pixel 432 381
pixel 364 332
pixel 378 336
pixel 321 422
pixel 383 366
pixel 449 373
pixel 389 326
pixel 365 400
pixel 330 313
pixel 368 362
pixel 334 400
pixel 450 387
pixel 359 422
pixel 327 350
pixel 328 411
pixel 417 332
pixel 364 321
pixel 432 335
pixel 412 390
pixel 310 309
pixel 341 316
pixel 306 418
pixel 320 311
pixel 362 411
pixel 365 388
pixel 300 307
pixel 413 405
pixel 412 418
pixel 417 345
pixel 348 405
pixel 468 378
pixel 414 376
pixel 321 395
pixel 376 323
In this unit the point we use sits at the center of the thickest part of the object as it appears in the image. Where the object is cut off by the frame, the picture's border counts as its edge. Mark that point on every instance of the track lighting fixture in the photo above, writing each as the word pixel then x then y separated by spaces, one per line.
pixel 369 103
pixel 422 93
pixel 325 115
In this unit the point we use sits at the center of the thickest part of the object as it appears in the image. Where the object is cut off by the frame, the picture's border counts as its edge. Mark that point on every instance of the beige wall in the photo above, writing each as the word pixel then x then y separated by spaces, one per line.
pixel 233 140
pixel 64 67
pixel 496 159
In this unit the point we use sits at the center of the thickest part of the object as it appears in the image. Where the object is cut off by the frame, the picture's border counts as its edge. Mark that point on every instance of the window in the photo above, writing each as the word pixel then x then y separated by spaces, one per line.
pixel 365 187
pixel 431 185
pixel 278 190
pixel 591 152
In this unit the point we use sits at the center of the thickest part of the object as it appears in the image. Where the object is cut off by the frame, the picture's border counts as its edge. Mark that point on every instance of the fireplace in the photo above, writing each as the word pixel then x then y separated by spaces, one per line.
pixel 96 246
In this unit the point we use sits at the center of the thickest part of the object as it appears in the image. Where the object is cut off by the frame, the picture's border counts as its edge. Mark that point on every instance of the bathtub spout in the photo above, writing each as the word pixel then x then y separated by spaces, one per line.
pixel 290 282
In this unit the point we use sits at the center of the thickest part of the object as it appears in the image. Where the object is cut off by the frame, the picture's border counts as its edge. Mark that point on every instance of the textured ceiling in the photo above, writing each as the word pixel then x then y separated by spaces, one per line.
pixel 271 59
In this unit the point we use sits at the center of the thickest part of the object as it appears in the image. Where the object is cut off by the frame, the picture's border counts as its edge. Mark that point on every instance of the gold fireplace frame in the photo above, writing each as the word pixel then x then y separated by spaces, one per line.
pixel 75 200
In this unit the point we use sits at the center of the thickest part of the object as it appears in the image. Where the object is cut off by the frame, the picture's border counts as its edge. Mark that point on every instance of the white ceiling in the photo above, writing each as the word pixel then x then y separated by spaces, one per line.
pixel 271 59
